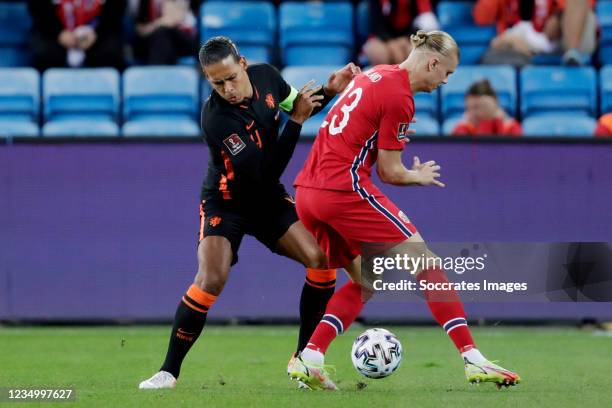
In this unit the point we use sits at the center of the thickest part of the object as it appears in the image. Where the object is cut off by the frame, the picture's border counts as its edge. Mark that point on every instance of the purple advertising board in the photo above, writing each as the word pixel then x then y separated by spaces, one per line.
pixel 108 231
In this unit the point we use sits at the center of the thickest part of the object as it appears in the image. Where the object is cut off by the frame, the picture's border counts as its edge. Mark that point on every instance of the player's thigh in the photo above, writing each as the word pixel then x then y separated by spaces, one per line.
pixel 299 244
pixel 218 219
pixel 313 208
pixel 270 218
pixel 371 218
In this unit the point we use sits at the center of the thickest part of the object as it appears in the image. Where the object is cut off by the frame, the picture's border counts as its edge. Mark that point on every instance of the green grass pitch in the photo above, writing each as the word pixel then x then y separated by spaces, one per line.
pixel 245 367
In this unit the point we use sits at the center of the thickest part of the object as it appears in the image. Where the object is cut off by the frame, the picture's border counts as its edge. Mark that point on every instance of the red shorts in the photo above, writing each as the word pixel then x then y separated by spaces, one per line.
pixel 341 221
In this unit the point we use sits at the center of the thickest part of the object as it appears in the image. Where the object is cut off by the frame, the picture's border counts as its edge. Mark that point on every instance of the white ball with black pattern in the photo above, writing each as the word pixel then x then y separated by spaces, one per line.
pixel 376 353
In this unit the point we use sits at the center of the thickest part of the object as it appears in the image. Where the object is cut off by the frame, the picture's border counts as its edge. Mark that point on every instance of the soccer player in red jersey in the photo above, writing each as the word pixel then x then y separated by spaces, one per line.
pixel 340 205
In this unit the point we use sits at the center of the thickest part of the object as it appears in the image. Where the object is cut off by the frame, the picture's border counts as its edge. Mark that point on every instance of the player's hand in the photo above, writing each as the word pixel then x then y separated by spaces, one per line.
pixel 305 102
pixel 426 173
pixel 67 39
pixel 341 78
pixel 87 40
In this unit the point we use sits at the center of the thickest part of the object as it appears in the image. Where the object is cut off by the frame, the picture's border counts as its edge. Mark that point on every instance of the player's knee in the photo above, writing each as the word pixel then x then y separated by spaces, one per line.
pixel 211 280
pixel 316 259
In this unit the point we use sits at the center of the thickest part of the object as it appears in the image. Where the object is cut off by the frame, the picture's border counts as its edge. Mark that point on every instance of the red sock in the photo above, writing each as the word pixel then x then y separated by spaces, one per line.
pixel 342 310
pixel 447 309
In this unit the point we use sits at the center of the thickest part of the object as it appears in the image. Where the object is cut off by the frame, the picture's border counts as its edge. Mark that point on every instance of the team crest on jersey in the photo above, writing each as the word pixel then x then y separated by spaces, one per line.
pixel 234 143
pixel 214 221
pixel 403 217
pixel 270 101
pixel 402 131
pixel 374 76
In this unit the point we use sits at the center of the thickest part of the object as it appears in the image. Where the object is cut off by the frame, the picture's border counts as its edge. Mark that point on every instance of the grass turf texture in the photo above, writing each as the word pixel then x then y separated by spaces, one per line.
pixel 245 366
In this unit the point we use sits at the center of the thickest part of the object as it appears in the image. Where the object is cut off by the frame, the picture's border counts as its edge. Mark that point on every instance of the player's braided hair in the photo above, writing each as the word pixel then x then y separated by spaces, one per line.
pixel 437 41
pixel 217 49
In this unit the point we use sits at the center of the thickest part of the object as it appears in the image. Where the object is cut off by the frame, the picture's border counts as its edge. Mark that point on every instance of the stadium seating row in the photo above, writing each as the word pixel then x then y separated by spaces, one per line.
pixel 164 101
pixel 309 33
pixel 155 101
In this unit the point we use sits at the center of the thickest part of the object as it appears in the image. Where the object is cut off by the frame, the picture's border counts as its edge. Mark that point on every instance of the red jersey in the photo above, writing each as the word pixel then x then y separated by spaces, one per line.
pixel 373 113
pixel 505 13
pixel 493 127
pixel 604 126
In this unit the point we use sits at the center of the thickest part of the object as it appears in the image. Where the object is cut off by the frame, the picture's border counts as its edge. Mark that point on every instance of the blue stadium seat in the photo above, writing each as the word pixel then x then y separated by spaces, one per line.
pixel 160 94
pixel 427 104
pixel 18 128
pixel 605 80
pixel 310 128
pixel 78 98
pixel 315 33
pixel 252 25
pixel 80 127
pixel 15 26
pixel 159 91
pixel 298 77
pixel 363 21
pixel 453 13
pixel 425 126
pixel 19 101
pixel 558 125
pixel 604 19
pixel 189 61
pixel 502 78
pixel 473 41
pixel 455 17
pixel 160 127
pixel 568 89
pixel 547 59
pixel 91 92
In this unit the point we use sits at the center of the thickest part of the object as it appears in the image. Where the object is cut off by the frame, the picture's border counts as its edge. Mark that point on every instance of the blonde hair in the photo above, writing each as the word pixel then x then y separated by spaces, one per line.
pixel 436 41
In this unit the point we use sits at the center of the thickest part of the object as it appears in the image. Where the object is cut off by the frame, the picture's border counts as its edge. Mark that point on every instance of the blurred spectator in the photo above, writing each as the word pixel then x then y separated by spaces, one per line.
pixel 391 23
pixel 531 27
pixel 166 31
pixel 77 33
pixel 604 126
pixel 483 116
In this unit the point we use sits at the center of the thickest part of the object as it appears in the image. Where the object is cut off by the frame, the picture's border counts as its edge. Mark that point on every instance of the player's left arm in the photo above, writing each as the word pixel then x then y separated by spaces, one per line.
pixel 281 152
pixel 391 170
pixel 397 111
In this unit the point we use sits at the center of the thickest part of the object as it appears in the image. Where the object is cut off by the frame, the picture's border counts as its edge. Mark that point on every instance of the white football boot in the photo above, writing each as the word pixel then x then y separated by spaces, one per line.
pixel 161 379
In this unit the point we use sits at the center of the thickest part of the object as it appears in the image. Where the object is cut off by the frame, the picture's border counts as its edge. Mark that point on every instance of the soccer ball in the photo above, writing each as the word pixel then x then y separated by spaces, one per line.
pixel 376 353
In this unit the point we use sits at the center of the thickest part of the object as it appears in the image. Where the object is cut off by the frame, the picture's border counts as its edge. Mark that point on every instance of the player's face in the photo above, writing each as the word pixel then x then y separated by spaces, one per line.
pixel 439 69
pixel 229 79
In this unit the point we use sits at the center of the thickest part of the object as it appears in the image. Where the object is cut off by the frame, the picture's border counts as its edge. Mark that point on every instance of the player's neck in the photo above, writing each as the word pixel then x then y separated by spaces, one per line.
pixel 249 93
pixel 409 66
